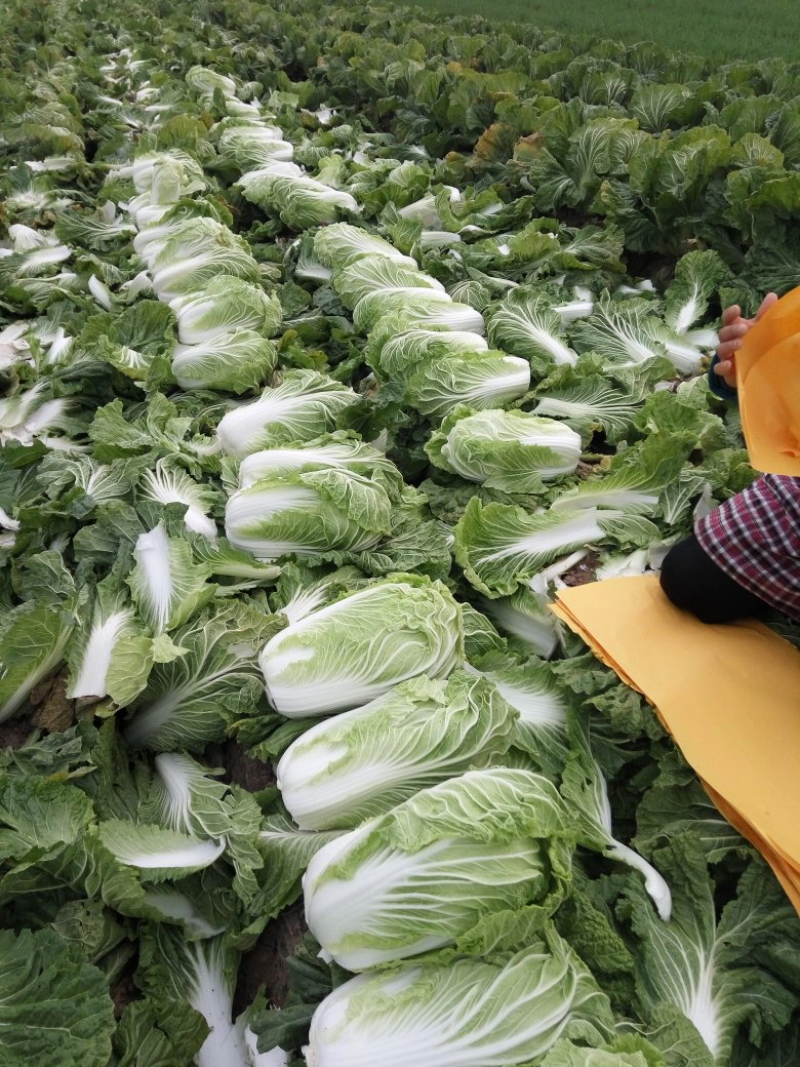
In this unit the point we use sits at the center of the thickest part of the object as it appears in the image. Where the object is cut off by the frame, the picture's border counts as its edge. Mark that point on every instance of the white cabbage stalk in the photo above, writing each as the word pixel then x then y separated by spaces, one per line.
pixel 146 214
pixel 177 487
pixel 138 285
pixel 27 415
pixel 60 347
pixel 529 327
pixel 438 239
pixel 13 347
pixel 175 905
pixel 585 789
pixel 424 210
pixel 151 239
pixel 152 553
pixel 203 973
pixel 52 164
pixel 623 566
pixel 540 583
pixel 7 522
pixel 106 633
pixel 181 784
pixel 526 617
pixel 540 705
pixel 26 239
pixel 166 584
pixel 580 307
pixel 153 848
pixel 276 1057
pixel 41 258
pixel 101 293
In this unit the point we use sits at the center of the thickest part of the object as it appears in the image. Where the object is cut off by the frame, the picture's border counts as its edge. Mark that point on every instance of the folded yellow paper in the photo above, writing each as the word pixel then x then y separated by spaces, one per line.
pixel 768 381
pixel 729 695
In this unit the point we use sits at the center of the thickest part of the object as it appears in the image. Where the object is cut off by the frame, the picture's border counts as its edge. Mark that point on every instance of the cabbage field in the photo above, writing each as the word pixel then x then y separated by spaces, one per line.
pixel 334 341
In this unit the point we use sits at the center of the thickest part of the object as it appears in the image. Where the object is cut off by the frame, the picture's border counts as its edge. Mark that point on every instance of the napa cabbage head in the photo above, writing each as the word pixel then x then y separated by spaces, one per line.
pixel 438 868
pixel 513 451
pixel 226 304
pixel 236 362
pixel 504 1012
pixel 340 450
pixel 303 406
pixel 253 145
pixel 300 200
pixel 341 243
pixel 197 252
pixel 378 274
pixel 364 762
pixel 306 514
pixel 477 379
pixel 356 649
pixel 396 349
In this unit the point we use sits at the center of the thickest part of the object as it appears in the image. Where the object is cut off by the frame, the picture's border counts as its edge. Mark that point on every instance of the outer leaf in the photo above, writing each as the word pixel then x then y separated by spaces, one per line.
pixel 166 585
pixel 33 640
pixel 41 973
pixel 195 699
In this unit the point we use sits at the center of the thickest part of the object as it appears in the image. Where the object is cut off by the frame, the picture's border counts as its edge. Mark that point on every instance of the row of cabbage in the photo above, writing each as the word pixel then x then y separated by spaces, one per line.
pixel 439 803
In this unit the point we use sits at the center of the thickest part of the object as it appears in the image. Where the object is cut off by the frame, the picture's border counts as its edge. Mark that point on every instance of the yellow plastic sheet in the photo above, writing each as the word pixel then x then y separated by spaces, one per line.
pixel 729 695
pixel 768 380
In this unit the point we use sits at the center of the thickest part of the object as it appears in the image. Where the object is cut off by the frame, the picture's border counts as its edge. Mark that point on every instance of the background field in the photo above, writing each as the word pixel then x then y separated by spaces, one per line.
pixel 718 29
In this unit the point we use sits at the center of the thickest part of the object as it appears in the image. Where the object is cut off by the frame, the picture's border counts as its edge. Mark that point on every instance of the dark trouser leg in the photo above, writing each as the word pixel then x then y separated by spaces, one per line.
pixel 692 581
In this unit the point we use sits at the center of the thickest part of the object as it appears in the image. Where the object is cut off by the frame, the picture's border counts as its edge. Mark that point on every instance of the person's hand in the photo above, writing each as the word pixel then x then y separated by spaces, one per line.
pixel 734 327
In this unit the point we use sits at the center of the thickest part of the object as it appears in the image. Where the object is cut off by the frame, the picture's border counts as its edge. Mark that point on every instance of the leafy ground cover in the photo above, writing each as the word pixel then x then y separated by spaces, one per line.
pixel 721 30
pixel 331 343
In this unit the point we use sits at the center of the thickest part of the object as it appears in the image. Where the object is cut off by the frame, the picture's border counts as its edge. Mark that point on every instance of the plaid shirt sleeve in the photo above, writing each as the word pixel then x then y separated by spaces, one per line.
pixel 755 538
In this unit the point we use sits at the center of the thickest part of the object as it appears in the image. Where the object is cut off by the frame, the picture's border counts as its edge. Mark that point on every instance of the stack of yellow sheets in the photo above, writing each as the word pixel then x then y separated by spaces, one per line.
pixel 768 382
pixel 729 695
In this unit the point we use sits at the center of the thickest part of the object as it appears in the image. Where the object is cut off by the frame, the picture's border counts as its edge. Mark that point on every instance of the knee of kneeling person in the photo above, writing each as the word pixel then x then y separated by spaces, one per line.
pixel 674 580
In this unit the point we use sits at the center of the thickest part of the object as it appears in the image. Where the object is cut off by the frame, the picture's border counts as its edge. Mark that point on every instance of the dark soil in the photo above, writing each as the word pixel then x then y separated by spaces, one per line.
pixel 15 732
pixel 584 572
pixel 250 774
pixel 51 709
pixel 265 965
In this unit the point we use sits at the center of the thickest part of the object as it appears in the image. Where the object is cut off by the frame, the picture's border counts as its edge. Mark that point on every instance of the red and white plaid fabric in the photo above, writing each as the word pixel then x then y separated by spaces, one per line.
pixel 755 538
